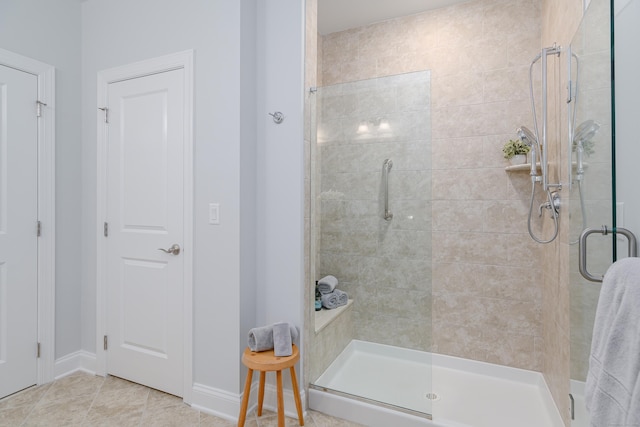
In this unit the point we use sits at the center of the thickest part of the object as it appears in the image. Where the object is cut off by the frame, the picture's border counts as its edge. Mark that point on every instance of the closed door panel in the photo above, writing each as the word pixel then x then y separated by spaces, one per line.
pixel 18 239
pixel 144 213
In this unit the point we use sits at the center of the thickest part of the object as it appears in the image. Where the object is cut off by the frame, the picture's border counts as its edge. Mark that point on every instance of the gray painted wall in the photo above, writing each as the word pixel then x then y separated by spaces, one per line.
pixel 50 32
pixel 119 32
pixel 249 269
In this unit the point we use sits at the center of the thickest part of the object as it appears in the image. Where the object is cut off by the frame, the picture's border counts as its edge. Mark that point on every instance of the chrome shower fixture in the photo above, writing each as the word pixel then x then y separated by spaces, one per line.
pixel 527 137
pixel 582 144
pixel 585 131
pixel 540 142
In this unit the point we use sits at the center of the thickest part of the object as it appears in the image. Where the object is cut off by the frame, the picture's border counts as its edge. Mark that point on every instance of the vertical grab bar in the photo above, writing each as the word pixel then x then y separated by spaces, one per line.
pixel 386 168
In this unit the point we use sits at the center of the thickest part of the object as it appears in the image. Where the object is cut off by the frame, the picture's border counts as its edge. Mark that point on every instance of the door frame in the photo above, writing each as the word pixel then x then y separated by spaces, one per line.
pixel 180 60
pixel 45 74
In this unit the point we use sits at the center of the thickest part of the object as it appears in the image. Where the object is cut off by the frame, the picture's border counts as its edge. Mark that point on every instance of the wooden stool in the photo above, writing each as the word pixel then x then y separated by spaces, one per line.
pixel 264 362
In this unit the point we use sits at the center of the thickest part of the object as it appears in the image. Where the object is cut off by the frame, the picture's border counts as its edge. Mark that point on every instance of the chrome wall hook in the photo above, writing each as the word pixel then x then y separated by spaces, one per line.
pixel 278 117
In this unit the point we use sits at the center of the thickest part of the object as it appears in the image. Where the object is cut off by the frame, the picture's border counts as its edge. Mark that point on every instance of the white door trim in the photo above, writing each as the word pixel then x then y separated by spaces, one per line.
pixel 46 207
pixel 180 60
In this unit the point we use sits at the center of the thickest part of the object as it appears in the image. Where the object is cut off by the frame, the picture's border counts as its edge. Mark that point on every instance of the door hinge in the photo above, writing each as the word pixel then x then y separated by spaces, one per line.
pixel 106 229
pixel 106 113
pixel 38 229
pixel 105 342
pixel 38 351
pixel 39 105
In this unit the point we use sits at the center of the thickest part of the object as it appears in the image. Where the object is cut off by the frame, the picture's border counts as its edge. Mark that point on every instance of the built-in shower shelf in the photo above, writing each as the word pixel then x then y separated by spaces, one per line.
pixel 324 316
pixel 526 167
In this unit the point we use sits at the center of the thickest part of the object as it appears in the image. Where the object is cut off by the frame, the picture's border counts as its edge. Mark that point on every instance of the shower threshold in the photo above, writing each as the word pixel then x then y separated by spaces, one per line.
pixel 397 386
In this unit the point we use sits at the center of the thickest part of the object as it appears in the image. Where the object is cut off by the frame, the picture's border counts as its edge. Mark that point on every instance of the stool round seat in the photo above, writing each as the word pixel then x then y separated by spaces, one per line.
pixel 267 361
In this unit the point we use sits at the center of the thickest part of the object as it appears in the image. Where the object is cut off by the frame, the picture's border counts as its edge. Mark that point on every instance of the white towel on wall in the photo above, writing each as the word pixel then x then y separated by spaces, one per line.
pixel 612 392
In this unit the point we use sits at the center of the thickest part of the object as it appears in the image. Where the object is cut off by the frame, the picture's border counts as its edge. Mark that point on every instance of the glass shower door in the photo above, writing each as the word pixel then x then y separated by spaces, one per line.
pixel 592 190
pixel 371 228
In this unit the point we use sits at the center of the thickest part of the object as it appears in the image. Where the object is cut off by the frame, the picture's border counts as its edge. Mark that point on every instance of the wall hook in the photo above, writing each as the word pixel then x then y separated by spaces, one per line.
pixel 278 117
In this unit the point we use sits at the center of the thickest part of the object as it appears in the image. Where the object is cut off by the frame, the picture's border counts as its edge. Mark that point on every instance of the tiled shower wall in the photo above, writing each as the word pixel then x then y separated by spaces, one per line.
pixel 486 293
pixel 384 266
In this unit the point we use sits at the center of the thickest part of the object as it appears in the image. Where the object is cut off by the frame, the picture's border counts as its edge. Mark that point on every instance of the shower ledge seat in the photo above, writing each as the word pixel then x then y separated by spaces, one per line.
pixel 324 316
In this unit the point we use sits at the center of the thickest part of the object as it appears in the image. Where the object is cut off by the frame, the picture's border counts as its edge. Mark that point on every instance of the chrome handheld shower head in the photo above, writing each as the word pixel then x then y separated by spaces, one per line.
pixel 582 144
pixel 585 131
pixel 527 137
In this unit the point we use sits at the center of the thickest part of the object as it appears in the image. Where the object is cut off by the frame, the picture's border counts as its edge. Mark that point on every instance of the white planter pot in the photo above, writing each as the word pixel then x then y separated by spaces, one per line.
pixel 518 159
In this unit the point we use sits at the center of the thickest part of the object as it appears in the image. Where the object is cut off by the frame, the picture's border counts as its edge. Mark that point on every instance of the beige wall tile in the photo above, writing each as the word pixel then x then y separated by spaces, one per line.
pixel 457 215
pixel 455 153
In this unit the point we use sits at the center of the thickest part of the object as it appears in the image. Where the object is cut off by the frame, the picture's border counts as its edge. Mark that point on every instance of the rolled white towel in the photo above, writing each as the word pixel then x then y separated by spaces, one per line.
pixel 262 338
pixel 282 340
pixel 335 299
pixel 327 284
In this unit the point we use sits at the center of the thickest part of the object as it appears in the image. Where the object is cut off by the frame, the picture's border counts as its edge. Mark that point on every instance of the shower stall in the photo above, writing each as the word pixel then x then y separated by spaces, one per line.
pixel 373 223
pixel 415 212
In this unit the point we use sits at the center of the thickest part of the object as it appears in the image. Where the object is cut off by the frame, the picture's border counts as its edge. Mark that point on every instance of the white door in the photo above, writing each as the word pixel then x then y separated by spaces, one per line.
pixel 144 205
pixel 18 238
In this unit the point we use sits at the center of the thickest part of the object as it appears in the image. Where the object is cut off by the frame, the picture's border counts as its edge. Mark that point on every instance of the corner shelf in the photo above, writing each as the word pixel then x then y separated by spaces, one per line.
pixel 526 167
pixel 324 316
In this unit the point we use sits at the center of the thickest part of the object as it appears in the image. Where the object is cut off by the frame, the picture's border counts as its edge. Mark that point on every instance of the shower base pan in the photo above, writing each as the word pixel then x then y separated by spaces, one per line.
pixel 380 386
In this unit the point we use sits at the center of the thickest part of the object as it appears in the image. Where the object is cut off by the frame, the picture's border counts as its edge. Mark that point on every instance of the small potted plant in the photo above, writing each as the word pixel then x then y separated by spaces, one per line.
pixel 516 151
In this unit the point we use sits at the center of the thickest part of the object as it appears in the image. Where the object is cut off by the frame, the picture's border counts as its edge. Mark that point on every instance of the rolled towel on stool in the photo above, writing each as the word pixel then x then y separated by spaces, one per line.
pixel 282 340
pixel 327 284
pixel 335 299
pixel 261 338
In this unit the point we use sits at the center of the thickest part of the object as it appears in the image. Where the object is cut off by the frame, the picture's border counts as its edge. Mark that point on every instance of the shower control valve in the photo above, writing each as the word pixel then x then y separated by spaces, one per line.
pixel 555 203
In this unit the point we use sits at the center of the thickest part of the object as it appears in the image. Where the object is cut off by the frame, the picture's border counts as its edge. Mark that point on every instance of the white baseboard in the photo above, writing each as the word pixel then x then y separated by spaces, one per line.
pixel 227 405
pixel 77 361
pixel 217 402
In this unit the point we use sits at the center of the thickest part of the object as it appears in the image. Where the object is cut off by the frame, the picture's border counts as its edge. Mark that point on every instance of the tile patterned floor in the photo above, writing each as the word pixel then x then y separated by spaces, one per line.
pixel 81 399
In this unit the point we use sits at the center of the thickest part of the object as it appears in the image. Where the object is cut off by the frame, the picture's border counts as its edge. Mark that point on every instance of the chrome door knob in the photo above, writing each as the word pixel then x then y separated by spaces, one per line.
pixel 174 249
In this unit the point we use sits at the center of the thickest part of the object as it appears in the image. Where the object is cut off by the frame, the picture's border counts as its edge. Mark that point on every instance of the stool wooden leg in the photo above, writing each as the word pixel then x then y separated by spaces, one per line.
pixel 245 399
pixel 261 393
pixel 296 394
pixel 280 399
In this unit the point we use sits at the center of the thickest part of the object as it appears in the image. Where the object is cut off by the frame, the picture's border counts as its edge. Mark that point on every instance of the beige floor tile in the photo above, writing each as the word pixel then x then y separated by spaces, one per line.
pixel 84 400
pixel 61 413
pixel 159 399
pixel 270 419
pixel 112 383
pixel 118 402
pixel 207 420
pixel 11 417
pixel 127 419
pixel 28 397
pixel 171 416
pixel 74 386
pixel 322 420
